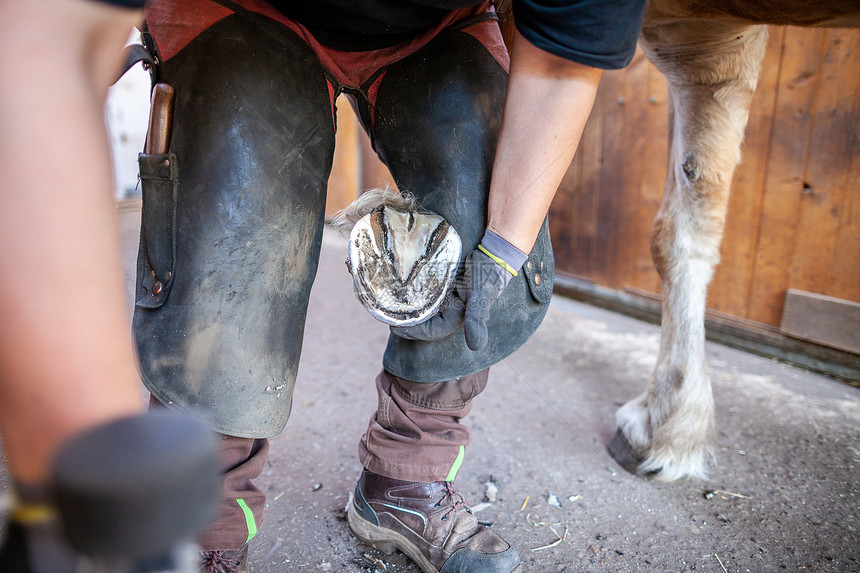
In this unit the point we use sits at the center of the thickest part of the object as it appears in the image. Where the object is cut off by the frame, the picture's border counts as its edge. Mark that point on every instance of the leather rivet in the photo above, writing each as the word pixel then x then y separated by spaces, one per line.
pixel 156 288
pixel 537 279
pixel 169 274
pixel 167 163
pixel 529 265
pixel 153 272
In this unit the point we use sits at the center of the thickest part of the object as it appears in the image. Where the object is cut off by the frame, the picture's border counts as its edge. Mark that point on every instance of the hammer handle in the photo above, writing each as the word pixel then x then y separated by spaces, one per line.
pixel 160 120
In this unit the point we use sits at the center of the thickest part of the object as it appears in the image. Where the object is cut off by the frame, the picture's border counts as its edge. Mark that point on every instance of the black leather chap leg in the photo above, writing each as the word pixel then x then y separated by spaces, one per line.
pixel 219 326
pixel 438 114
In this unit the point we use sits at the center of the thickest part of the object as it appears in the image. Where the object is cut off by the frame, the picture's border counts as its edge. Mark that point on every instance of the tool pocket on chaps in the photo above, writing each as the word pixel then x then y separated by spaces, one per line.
pixel 539 268
pixel 157 256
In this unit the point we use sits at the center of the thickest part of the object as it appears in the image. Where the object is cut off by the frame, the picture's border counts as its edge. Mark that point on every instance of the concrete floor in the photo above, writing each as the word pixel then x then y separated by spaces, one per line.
pixel 784 496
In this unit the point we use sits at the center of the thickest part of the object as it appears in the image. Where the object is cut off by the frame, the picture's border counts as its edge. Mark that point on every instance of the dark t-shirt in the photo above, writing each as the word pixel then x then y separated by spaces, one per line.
pixel 599 33
pixel 370 17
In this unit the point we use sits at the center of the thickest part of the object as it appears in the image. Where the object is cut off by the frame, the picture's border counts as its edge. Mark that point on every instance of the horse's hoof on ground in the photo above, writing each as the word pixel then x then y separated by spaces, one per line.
pixel 623 453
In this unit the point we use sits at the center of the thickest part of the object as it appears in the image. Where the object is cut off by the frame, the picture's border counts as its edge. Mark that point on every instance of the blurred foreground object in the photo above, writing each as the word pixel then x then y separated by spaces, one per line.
pixel 127 496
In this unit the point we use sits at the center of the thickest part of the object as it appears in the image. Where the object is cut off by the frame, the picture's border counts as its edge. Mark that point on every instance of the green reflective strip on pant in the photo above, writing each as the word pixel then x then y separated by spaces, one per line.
pixel 249 519
pixel 457 463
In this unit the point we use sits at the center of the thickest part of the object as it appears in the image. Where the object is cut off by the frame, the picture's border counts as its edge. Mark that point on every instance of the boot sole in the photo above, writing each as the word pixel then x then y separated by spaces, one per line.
pixel 388 541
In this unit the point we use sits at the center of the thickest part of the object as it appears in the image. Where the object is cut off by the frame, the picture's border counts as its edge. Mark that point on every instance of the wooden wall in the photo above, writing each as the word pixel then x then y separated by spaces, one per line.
pixel 794 215
pixel 356 166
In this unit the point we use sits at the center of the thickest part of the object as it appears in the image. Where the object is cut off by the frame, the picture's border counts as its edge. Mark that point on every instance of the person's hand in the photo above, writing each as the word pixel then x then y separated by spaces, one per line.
pixel 485 276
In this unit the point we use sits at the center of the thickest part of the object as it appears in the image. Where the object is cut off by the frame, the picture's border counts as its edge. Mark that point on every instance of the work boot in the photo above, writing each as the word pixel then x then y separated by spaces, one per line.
pixel 429 522
pixel 235 561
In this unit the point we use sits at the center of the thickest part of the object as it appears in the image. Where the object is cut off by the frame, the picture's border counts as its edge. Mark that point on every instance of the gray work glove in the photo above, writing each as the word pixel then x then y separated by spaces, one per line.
pixel 487 271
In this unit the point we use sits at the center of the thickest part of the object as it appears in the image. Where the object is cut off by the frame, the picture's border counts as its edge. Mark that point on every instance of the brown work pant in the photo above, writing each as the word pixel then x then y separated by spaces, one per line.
pixel 414 435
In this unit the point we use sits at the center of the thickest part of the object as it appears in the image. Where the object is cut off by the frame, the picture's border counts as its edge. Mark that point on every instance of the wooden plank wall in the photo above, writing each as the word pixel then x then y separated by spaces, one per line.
pixel 356 166
pixel 794 215
pixel 345 178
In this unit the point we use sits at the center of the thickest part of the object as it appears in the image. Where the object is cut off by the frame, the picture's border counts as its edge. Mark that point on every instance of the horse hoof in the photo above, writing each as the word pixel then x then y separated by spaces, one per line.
pixel 623 453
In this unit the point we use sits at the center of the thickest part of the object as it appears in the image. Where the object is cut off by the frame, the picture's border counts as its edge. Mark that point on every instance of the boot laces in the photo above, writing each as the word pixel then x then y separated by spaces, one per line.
pixel 456 498
pixel 216 562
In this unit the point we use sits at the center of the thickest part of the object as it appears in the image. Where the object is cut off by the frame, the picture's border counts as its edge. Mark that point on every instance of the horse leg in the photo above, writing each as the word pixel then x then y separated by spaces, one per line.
pixel 712 69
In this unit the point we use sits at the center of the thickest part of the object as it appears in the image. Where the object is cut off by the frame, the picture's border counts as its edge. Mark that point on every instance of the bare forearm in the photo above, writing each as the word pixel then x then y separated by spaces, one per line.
pixel 66 361
pixel 548 102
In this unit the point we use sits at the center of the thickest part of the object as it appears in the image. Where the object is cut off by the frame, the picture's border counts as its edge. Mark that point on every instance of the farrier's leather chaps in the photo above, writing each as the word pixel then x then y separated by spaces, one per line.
pixel 253 142
pixel 232 224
